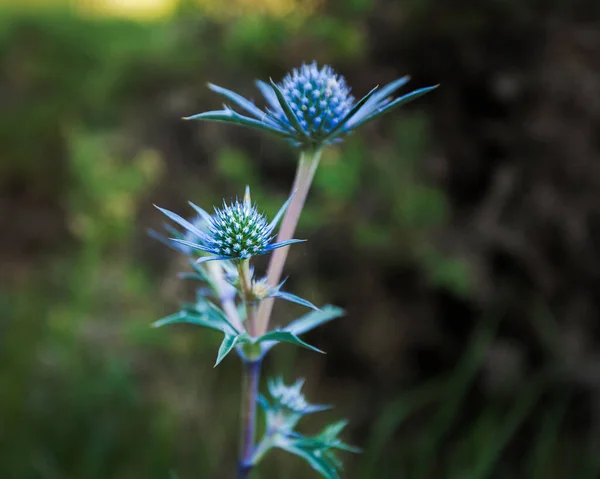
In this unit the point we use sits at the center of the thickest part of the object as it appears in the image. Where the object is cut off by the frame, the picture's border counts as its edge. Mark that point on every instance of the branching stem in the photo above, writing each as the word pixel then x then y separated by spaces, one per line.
pixel 257 319
pixel 307 165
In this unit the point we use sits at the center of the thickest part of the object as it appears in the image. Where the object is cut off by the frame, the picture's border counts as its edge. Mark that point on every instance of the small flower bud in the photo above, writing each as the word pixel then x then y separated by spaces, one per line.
pixel 261 289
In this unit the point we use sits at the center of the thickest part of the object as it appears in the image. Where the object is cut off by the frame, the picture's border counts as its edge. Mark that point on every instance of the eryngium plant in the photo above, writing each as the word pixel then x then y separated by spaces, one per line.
pixel 311 108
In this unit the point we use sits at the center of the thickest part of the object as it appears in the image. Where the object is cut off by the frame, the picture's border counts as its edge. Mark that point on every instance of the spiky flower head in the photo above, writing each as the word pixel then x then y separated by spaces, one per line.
pixel 320 99
pixel 290 399
pixel 311 107
pixel 287 405
pixel 236 231
pixel 239 231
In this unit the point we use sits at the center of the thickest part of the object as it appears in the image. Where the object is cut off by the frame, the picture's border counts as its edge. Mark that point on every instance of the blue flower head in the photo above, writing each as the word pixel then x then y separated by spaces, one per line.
pixel 237 231
pixel 311 107
pixel 319 99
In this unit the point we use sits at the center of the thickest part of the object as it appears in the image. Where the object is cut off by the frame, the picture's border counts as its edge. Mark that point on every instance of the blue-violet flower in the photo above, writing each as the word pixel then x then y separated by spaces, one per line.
pixel 311 107
pixel 237 231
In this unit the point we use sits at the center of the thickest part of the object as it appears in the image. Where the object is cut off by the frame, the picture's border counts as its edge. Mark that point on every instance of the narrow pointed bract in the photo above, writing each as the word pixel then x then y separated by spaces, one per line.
pixel 189 234
pixel 311 107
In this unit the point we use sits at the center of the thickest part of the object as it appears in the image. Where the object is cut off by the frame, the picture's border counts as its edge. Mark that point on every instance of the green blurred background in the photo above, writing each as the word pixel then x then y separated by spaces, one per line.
pixel 460 234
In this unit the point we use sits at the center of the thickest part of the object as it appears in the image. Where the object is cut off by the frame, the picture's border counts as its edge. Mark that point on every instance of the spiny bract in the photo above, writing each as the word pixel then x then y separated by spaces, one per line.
pixel 197 221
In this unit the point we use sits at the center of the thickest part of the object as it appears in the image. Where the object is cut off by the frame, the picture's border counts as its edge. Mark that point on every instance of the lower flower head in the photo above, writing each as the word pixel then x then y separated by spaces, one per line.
pixel 237 231
pixel 290 399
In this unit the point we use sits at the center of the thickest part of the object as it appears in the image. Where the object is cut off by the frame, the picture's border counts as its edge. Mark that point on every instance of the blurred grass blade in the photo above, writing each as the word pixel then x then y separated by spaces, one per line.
pixel 546 442
pixel 459 382
pixel 393 416
pixel 487 459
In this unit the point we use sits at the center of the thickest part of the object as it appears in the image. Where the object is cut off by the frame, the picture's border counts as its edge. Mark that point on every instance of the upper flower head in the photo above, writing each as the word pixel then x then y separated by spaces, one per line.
pixel 319 99
pixel 236 231
pixel 311 107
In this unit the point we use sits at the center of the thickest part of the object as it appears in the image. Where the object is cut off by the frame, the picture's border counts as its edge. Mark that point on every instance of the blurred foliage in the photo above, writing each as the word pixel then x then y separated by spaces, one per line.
pixel 89 135
pixel 156 9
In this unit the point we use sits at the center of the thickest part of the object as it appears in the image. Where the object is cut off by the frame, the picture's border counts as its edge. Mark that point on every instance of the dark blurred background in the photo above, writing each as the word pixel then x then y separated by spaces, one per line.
pixel 460 234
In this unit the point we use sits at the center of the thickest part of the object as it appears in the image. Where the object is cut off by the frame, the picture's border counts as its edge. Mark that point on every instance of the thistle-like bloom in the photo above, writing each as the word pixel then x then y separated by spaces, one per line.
pixel 311 107
pixel 290 399
pixel 287 406
pixel 237 231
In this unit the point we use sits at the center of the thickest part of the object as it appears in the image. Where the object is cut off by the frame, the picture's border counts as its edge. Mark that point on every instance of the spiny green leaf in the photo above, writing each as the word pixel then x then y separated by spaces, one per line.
pixel 312 320
pixel 186 317
pixel 216 312
pixel 332 430
pixel 323 444
pixel 294 299
pixel 328 439
pixel 333 459
pixel 285 337
pixel 229 342
pixel 315 459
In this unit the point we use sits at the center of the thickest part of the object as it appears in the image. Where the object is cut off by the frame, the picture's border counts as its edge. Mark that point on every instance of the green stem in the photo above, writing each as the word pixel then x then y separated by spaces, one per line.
pixel 243 268
pixel 307 165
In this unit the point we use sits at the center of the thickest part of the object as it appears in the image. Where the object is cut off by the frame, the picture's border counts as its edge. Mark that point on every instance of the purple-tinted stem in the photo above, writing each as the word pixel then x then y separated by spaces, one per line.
pixel 251 377
pixel 307 165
